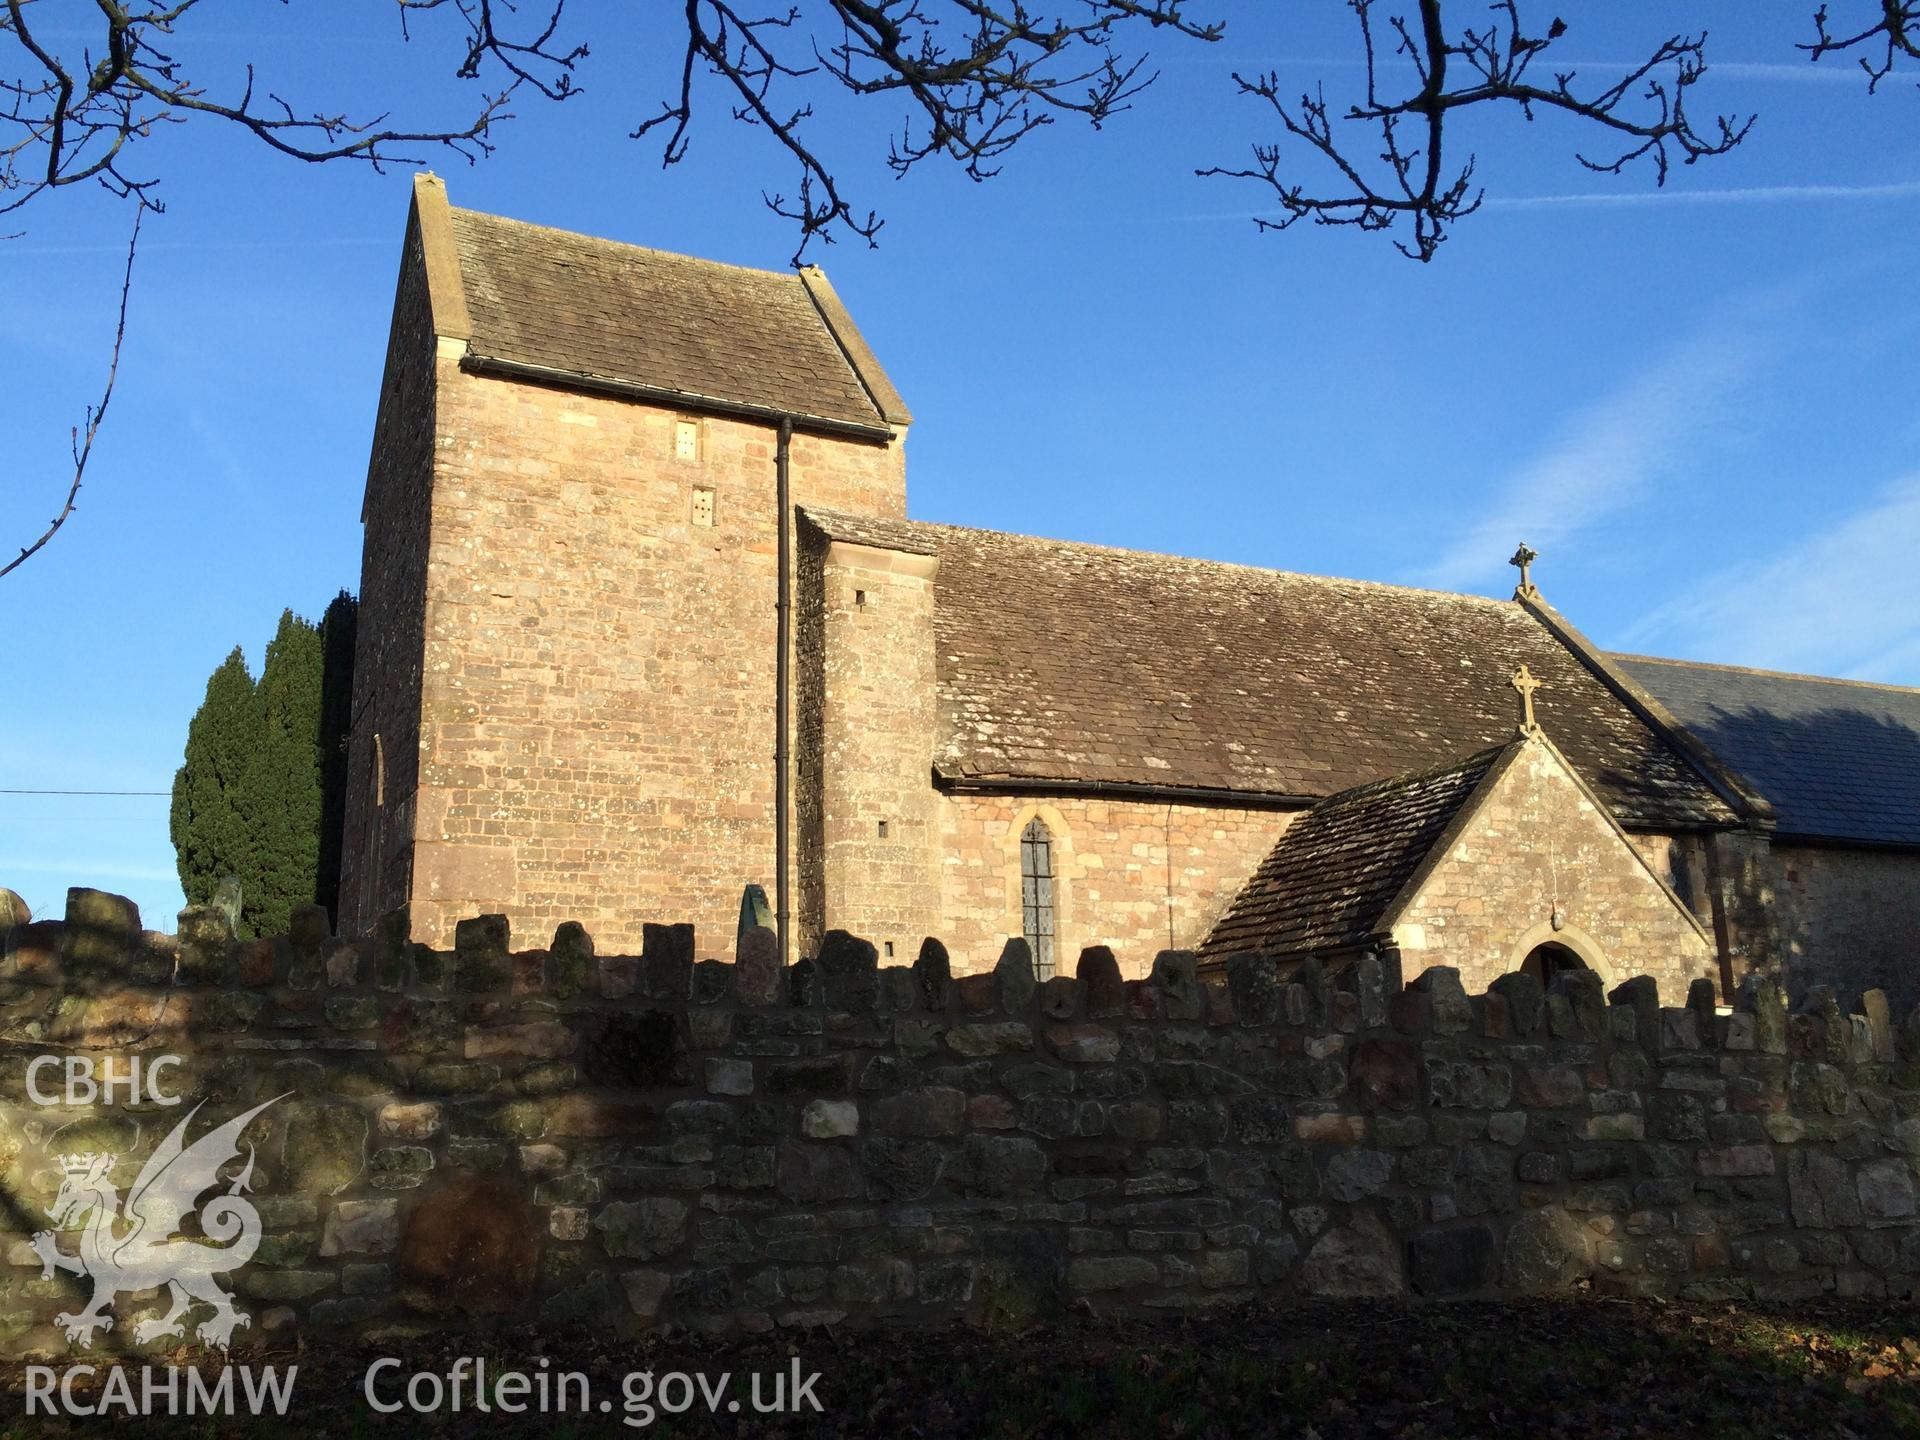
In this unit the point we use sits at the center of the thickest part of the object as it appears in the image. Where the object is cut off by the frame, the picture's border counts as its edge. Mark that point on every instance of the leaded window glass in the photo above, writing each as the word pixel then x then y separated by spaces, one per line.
pixel 1036 895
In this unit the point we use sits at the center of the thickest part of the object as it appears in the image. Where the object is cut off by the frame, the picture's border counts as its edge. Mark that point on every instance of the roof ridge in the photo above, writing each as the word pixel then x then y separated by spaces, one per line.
pixel 1367 790
pixel 612 244
pixel 1764 673
pixel 1055 543
pixel 559 307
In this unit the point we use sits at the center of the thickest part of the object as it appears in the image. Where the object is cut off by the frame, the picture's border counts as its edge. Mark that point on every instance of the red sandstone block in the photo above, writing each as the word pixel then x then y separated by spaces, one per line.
pixel 1549 1087
pixel 977 993
pixel 1496 1016
pixel 1408 1013
pixel 1758 1103
pixel 583 1117
pixel 1088 1043
pixel 535 1040
pixel 35 951
pixel 1344 1129
pixel 1344 1011
pixel 990 1112
pixel 1385 1074
pixel 257 963
pixel 1737 1160
pixel 529 972
pixel 1143 1000
pixel 1709 1252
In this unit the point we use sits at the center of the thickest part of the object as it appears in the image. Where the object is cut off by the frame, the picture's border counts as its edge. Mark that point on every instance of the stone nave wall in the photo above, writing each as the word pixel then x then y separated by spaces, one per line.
pixel 487 1136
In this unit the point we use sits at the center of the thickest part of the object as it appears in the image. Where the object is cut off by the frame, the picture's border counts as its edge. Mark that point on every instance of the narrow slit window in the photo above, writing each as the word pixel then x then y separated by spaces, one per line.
pixel 1036 895
pixel 686 440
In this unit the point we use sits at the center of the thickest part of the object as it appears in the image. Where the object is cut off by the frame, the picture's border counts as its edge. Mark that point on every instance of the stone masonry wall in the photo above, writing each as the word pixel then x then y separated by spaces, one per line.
pixel 383 761
pixel 487 1136
pixel 1850 918
pixel 1135 876
pixel 1539 844
pixel 878 836
pixel 597 738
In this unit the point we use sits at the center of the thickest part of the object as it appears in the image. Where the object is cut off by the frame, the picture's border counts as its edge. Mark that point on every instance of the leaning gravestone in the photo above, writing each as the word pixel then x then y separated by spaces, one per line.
pixel 226 899
pixel 755 914
pixel 13 915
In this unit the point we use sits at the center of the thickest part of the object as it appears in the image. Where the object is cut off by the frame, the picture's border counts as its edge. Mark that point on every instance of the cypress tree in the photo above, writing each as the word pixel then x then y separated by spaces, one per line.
pixel 208 818
pixel 337 631
pixel 282 796
pixel 262 793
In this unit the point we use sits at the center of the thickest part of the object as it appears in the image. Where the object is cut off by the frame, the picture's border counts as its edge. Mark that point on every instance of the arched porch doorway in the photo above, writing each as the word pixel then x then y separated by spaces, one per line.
pixel 1549 959
pixel 1545 951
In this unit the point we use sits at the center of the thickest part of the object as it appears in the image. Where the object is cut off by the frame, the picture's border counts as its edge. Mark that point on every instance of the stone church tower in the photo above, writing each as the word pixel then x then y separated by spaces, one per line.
pixel 565 692
pixel 605 481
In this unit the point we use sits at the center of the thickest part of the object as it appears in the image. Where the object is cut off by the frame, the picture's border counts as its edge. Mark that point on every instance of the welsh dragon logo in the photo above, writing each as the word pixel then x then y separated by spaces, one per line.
pixel 139 1247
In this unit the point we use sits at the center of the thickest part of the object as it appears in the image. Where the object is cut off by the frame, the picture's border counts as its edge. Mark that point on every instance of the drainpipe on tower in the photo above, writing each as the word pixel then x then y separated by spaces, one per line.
pixel 783 634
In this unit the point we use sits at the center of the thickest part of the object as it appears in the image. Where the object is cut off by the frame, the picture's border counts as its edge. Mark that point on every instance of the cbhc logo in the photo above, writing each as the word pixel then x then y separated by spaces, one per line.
pixel 87 1081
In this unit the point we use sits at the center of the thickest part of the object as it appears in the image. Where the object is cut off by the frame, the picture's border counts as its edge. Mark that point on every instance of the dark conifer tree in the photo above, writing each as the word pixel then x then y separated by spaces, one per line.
pixel 337 630
pixel 209 821
pixel 283 796
pixel 262 795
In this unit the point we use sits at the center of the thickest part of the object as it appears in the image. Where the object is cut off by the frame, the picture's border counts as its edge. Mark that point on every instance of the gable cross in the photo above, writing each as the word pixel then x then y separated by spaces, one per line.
pixel 1524 682
pixel 1523 559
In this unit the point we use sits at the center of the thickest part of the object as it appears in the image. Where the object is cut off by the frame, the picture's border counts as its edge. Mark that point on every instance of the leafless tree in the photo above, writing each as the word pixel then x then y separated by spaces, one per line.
pixel 1890 34
pixel 975 77
pixel 76 115
pixel 1642 112
pixel 1384 158
pixel 70 116
pixel 80 438
pixel 967 80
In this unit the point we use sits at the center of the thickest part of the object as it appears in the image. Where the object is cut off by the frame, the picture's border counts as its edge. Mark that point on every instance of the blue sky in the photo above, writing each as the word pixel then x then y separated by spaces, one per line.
pixel 1696 404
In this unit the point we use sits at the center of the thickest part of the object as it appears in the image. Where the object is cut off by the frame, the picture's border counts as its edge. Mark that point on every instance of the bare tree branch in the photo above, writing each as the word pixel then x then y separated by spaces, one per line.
pixel 67 118
pixel 1894 35
pixel 974 78
pixel 977 77
pixel 1643 111
pixel 82 447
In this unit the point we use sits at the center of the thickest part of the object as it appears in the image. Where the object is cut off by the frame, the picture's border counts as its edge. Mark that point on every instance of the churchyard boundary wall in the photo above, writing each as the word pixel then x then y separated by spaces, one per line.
pixel 491 1137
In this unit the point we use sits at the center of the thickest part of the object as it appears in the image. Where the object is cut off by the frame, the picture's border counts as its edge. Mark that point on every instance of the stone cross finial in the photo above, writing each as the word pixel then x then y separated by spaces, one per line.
pixel 1524 682
pixel 1523 559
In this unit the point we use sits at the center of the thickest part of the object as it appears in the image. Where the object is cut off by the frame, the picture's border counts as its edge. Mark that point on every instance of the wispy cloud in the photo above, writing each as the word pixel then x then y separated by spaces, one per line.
pixel 1738 195
pixel 198 247
pixel 1741 195
pixel 1807 72
pixel 1761 71
pixel 1609 453
pixel 1843 601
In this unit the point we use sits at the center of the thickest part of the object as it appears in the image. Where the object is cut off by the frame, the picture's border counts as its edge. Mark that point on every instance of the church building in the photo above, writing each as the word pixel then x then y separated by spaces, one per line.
pixel 644 623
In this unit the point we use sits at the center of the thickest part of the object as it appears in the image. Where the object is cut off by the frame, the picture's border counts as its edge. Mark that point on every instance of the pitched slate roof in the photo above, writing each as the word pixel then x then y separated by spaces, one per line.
pixel 603 310
pixel 1839 759
pixel 877 531
pixel 1327 883
pixel 1076 663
